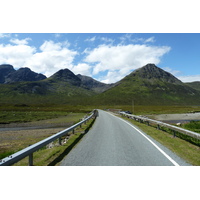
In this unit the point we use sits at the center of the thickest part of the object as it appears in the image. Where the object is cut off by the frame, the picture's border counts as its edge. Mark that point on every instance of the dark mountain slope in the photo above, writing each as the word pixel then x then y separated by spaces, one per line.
pixel 150 85
pixel 65 75
pixel 92 84
pixel 5 70
pixel 153 73
pixel 9 75
pixel 23 74
pixel 62 87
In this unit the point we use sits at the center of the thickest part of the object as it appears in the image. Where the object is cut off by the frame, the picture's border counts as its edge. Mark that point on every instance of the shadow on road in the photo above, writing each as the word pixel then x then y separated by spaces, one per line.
pixel 69 148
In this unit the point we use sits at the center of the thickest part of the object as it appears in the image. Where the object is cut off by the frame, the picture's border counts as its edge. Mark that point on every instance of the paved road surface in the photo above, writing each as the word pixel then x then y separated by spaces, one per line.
pixel 113 141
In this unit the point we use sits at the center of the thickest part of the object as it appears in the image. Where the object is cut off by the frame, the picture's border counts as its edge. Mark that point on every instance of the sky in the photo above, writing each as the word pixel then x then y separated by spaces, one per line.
pixel 107 57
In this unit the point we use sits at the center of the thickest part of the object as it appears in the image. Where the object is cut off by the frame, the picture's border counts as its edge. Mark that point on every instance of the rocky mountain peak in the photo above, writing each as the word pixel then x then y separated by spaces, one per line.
pixel 4 71
pixel 67 76
pixel 152 72
pixel 6 66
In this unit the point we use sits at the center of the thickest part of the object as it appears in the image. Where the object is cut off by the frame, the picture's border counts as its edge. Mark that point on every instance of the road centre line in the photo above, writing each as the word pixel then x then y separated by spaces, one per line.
pixel 167 156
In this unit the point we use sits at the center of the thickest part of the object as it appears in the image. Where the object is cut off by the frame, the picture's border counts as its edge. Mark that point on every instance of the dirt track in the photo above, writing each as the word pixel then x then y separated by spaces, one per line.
pixel 177 117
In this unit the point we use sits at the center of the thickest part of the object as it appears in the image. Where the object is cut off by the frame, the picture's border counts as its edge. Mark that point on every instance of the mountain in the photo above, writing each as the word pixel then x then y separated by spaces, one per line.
pixel 9 75
pixel 92 84
pixel 195 85
pixel 66 75
pixel 63 87
pixel 150 85
pixel 153 73
pixel 23 74
pixel 5 70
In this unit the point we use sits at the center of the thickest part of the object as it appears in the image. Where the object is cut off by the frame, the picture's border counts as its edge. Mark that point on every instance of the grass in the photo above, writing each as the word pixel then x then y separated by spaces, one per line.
pixel 7 117
pixel 72 113
pixel 13 141
pixel 192 126
pixel 189 152
pixel 151 109
pixel 53 156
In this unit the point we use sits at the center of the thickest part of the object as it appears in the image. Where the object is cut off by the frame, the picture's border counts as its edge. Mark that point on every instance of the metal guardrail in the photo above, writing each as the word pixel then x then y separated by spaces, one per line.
pixel 162 124
pixel 12 159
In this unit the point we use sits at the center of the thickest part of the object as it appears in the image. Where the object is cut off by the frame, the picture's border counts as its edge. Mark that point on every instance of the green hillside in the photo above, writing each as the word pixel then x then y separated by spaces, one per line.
pixel 150 85
pixel 195 85
pixel 53 90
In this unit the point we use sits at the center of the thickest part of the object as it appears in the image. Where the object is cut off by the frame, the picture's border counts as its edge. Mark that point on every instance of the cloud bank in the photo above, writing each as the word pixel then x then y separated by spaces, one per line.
pixel 50 57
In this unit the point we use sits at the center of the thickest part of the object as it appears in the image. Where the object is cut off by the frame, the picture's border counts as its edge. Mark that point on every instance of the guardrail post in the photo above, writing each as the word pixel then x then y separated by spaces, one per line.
pixel 158 127
pixel 30 159
pixel 174 133
pixel 59 141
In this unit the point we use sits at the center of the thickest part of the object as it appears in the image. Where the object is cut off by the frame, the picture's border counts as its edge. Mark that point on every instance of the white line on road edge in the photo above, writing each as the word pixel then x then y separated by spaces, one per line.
pixel 168 157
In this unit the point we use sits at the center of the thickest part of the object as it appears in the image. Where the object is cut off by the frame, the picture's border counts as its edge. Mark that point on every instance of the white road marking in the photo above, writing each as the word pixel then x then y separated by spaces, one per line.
pixel 159 149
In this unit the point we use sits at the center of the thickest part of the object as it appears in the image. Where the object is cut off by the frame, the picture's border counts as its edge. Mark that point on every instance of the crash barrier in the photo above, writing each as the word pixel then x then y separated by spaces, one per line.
pixel 191 136
pixel 16 157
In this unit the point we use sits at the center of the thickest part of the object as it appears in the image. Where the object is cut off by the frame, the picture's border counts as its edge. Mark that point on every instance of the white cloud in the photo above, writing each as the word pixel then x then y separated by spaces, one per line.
pixel 151 39
pixel 49 46
pixel 123 59
pixel 91 39
pixel 20 42
pixel 5 35
pixel 108 40
pixel 172 71
pixel 125 37
pixel 15 55
pixel 112 76
pixel 190 78
pixel 53 56
pixel 129 38
pixel 83 69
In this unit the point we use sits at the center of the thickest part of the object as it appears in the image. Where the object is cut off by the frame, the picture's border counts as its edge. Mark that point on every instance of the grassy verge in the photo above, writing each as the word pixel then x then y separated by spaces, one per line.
pixel 192 126
pixel 15 140
pixel 53 156
pixel 189 152
pixel 7 117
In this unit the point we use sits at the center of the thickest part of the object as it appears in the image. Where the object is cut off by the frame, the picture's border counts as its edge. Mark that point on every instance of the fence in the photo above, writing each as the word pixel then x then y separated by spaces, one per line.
pixel 10 160
pixel 159 124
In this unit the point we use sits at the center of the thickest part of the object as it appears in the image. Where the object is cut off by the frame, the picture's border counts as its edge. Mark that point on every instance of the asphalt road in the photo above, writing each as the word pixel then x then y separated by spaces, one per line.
pixel 113 141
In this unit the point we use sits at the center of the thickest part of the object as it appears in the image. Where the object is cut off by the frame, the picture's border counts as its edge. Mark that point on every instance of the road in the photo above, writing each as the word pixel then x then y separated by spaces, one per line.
pixel 113 141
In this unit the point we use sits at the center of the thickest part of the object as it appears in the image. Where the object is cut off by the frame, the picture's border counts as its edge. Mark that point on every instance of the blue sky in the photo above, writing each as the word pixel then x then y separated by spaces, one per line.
pixel 107 57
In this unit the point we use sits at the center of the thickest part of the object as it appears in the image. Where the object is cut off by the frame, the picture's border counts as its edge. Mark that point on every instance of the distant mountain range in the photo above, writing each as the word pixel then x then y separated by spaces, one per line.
pixel 9 75
pixel 148 85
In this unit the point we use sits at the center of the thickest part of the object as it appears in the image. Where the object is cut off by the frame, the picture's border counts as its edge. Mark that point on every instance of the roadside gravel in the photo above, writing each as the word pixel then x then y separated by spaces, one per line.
pixel 169 117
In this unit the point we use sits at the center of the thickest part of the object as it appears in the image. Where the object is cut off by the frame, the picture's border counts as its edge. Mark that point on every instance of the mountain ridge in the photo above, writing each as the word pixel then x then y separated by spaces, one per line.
pixel 150 85
pixel 9 75
pixel 146 85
